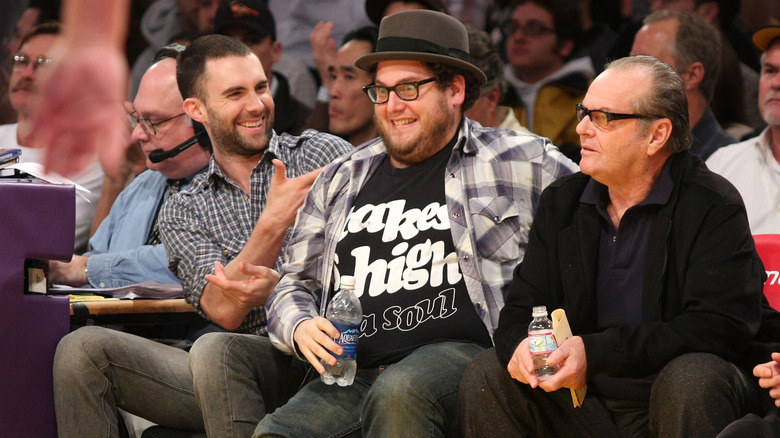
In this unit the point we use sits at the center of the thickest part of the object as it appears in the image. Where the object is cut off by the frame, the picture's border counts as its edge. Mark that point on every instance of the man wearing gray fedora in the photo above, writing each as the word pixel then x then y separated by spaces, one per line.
pixel 431 218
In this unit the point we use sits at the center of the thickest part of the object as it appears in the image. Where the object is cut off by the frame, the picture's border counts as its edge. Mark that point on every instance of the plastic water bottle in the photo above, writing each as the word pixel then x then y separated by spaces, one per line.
pixel 541 342
pixel 344 312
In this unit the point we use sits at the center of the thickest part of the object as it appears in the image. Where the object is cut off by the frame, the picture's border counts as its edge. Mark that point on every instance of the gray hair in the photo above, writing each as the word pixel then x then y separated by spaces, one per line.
pixel 666 98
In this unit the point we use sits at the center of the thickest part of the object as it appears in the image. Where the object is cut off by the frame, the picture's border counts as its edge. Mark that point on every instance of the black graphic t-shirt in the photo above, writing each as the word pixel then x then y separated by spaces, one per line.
pixel 397 244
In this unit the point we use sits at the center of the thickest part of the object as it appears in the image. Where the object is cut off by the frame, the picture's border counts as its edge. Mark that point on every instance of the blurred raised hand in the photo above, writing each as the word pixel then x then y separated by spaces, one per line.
pixel 78 108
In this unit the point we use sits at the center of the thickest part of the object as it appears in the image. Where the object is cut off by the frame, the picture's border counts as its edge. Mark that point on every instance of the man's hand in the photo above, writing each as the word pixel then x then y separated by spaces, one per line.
pixel 570 356
pixel 249 292
pixel 521 365
pixel 314 338
pixel 571 360
pixel 769 377
pixel 286 195
pixel 79 109
pixel 247 280
pixel 72 273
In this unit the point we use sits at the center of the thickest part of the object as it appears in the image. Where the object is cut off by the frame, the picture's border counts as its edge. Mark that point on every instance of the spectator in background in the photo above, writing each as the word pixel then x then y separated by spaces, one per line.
pixel 753 166
pixel 722 14
pixel 207 12
pixel 250 22
pixel 296 19
pixel 163 20
pixel 739 56
pixel 323 46
pixel 350 111
pixel 692 47
pixel 126 247
pixel 347 111
pixel 759 13
pixel 300 79
pixel 487 110
pixel 37 12
pixel 544 84
pixel 29 62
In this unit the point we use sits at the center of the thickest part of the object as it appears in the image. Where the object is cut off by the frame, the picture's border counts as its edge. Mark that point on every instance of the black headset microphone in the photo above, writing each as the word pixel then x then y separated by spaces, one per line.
pixel 201 136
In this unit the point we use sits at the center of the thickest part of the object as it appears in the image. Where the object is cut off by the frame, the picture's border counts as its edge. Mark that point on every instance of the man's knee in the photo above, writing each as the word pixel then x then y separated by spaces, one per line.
pixel 698 394
pixel 392 390
pixel 221 353
pixel 484 369
pixel 208 347
pixel 83 346
pixel 701 375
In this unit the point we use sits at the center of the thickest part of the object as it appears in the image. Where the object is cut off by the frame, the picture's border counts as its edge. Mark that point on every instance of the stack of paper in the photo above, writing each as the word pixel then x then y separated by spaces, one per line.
pixel 147 289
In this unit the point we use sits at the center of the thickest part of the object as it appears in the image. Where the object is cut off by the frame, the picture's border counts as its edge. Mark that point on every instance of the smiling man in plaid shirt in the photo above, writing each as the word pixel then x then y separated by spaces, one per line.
pixel 223 234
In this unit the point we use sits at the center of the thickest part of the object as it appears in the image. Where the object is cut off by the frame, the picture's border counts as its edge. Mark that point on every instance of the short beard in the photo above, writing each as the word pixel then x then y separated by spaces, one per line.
pixel 429 141
pixel 227 138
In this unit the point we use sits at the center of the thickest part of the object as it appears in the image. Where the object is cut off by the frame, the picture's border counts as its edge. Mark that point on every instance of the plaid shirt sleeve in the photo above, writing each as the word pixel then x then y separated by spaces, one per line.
pixel 298 295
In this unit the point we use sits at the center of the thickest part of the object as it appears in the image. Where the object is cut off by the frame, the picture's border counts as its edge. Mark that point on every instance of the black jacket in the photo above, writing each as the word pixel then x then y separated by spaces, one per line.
pixel 702 289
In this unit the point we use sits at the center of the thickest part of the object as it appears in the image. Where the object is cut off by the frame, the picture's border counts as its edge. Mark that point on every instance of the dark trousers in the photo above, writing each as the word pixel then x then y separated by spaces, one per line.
pixel 695 395
pixel 751 425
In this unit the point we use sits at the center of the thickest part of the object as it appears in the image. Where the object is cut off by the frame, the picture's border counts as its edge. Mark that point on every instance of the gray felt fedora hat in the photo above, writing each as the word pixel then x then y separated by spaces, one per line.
pixel 421 35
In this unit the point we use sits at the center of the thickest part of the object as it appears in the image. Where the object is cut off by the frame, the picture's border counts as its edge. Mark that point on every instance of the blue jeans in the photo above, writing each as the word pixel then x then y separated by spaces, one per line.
pixel 98 370
pixel 224 385
pixel 414 397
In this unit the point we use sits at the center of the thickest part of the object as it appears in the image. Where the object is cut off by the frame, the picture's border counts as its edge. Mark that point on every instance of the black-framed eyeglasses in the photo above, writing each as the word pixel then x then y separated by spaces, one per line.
pixel 149 127
pixel 532 29
pixel 405 91
pixel 602 118
pixel 22 61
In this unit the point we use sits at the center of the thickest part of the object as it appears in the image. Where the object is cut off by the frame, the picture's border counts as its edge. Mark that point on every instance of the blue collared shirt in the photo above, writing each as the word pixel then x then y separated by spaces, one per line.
pixel 119 255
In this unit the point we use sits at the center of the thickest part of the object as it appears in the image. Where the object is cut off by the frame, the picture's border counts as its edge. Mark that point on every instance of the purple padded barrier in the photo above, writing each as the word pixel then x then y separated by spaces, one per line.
pixel 37 222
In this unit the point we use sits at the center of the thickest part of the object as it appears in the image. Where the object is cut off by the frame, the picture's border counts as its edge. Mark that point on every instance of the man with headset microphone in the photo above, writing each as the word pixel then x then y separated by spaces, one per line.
pixel 126 247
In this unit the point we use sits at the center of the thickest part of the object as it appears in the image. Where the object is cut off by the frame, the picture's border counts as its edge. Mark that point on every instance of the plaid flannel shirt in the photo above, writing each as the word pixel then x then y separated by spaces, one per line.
pixel 213 218
pixel 492 185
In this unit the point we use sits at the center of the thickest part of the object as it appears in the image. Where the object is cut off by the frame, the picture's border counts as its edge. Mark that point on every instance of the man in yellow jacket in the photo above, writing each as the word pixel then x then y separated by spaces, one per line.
pixel 544 84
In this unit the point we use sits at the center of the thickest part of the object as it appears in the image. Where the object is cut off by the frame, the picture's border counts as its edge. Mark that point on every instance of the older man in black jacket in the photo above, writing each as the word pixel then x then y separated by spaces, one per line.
pixel 651 256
